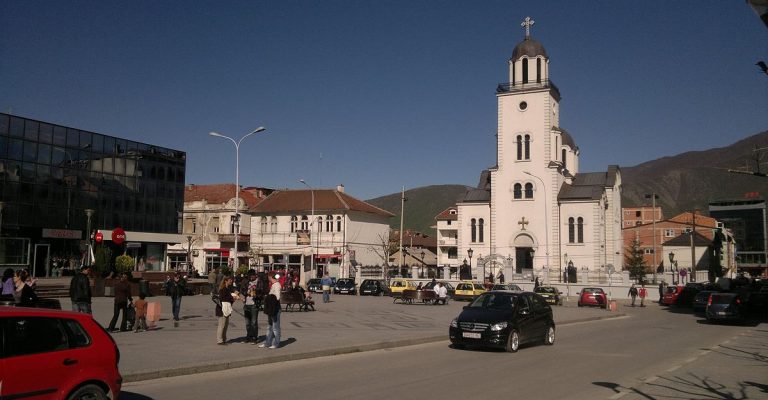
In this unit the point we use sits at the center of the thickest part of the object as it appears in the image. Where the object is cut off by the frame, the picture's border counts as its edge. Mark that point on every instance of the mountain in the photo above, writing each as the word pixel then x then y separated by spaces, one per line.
pixel 684 182
pixel 421 207
pixel 691 180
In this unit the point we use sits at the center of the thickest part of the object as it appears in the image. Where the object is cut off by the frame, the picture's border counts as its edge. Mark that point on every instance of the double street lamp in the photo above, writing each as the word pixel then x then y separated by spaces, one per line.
pixel 311 249
pixel 469 254
pixel 237 182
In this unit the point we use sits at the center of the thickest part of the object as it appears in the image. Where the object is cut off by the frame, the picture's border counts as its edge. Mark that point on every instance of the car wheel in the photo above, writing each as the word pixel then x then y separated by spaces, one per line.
pixel 549 337
pixel 513 342
pixel 579 304
pixel 88 392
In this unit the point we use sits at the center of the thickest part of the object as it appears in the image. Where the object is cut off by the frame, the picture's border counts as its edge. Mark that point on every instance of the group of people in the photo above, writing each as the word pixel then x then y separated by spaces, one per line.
pixel 18 286
pixel 634 292
pixel 441 292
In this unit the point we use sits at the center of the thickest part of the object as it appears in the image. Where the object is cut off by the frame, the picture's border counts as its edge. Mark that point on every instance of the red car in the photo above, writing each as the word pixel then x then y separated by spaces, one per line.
pixel 592 297
pixel 671 295
pixel 52 354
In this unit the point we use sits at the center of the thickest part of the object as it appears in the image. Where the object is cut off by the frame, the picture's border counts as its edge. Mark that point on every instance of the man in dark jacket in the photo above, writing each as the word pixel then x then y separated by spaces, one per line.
pixel 80 290
pixel 175 288
pixel 122 298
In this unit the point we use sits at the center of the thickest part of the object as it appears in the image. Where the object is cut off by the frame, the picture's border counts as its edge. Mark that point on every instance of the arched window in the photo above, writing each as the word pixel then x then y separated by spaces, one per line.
pixel 319 224
pixel 481 230
pixel 563 160
pixel 263 224
pixel 294 222
pixel 518 191
pixel 571 231
pixel 538 70
pixel 474 230
pixel 273 225
pixel 528 190
pixel 304 223
pixel 338 224
pixel 525 70
pixel 519 147
pixel 513 73
pixel 329 223
pixel 580 229
pixel 527 147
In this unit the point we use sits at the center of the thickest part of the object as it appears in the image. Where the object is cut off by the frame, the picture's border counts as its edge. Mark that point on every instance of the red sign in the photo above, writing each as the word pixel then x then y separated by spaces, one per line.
pixel 99 237
pixel 118 236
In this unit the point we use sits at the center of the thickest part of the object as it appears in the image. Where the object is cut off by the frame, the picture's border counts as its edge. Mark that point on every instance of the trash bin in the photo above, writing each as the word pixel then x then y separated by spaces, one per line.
pixel 144 288
pixel 613 305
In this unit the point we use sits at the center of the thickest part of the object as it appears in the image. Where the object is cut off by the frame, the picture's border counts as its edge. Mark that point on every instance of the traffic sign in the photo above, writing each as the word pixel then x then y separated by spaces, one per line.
pixel 99 237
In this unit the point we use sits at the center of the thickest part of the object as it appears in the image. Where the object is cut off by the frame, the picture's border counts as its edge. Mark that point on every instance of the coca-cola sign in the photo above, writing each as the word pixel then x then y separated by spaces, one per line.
pixel 118 236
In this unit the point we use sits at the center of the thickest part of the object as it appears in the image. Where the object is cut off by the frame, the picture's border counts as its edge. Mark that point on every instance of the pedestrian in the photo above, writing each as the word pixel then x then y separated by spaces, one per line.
pixel 272 309
pixel 175 288
pixel 7 287
pixel 662 289
pixel 224 309
pixel 80 290
pixel 23 294
pixel 140 306
pixel 643 293
pixel 326 283
pixel 252 302
pixel 536 283
pixel 633 294
pixel 501 277
pixel 442 293
pixel 212 280
pixel 419 287
pixel 122 298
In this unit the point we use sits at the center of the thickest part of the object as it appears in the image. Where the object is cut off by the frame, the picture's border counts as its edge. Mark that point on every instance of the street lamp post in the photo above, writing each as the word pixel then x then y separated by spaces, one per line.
pixel 565 261
pixel 89 214
pixel 311 249
pixel 237 181
pixel 546 213
pixel 469 254
pixel 189 253
pixel 654 196
pixel 671 266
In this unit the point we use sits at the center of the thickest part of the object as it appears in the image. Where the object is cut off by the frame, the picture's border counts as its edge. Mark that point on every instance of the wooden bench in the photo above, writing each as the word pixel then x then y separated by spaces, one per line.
pixel 423 296
pixel 295 298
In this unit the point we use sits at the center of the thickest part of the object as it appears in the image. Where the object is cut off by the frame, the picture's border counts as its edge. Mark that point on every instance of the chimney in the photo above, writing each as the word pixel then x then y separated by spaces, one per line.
pixel 340 188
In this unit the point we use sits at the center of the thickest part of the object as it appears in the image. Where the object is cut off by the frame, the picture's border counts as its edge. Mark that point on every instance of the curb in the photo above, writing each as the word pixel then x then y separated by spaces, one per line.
pixel 220 366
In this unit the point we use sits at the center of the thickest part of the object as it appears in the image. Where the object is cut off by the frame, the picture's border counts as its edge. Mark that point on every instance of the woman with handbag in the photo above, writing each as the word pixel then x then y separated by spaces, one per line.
pixel 224 309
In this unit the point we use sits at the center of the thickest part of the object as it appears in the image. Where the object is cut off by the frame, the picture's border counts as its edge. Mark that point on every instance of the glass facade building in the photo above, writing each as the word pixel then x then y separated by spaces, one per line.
pixel 50 174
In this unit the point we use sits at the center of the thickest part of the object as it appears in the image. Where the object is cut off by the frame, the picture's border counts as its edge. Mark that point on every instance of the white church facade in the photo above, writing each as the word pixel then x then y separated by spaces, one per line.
pixel 534 213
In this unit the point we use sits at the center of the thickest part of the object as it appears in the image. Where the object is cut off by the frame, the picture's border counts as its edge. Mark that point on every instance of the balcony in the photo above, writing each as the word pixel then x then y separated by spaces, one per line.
pixel 230 237
pixel 448 242
pixel 513 87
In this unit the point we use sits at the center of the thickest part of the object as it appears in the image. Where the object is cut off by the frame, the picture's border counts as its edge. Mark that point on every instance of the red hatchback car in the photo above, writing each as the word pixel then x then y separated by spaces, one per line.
pixel 52 354
pixel 595 297
pixel 671 295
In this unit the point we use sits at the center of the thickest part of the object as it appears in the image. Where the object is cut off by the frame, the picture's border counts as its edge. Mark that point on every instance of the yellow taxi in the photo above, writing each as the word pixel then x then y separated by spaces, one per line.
pixel 467 290
pixel 397 285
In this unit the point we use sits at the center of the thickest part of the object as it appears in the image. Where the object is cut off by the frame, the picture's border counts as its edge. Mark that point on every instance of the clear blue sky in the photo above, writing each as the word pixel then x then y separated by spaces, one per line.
pixel 381 94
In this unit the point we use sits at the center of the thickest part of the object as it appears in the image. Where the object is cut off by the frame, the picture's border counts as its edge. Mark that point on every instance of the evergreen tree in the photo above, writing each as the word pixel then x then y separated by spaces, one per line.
pixel 634 261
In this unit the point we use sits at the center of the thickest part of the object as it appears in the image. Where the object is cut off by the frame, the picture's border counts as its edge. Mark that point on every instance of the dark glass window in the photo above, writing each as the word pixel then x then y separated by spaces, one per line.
pixel 519 147
pixel 43 173
pixel 538 70
pixel 571 230
pixel 46 133
pixel 525 70
pixel 580 227
pixel 564 164
pixel 59 136
pixel 15 149
pixel 527 147
pixel 3 146
pixel 73 138
pixel 44 154
pixel 12 171
pixel 30 151
pixel 17 127
pixel 30 130
pixel 474 230
pixel 97 143
pixel 109 145
pixel 33 335
pixel 518 191
pixel 3 124
pixel 85 140
pixel 528 190
pixel 481 230
pixel 58 156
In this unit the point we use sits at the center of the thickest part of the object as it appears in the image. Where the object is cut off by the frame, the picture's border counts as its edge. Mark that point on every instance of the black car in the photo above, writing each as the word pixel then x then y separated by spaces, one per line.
pixel 313 285
pixel 345 286
pixel 725 307
pixel 701 299
pixel 374 287
pixel 550 294
pixel 503 319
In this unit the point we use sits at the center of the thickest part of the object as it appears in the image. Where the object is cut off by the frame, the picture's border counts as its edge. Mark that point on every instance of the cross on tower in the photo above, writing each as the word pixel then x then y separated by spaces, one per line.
pixel 523 223
pixel 528 23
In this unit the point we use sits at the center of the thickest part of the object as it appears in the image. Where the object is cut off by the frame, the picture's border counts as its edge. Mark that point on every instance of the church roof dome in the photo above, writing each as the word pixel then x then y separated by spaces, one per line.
pixel 529 47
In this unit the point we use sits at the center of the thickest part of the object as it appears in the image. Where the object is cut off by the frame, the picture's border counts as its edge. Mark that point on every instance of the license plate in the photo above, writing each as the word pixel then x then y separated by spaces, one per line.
pixel 344 291
pixel 722 313
pixel 471 335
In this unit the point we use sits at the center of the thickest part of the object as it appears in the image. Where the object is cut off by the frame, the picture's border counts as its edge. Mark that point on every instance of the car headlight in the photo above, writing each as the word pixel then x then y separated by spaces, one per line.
pixel 454 323
pixel 499 326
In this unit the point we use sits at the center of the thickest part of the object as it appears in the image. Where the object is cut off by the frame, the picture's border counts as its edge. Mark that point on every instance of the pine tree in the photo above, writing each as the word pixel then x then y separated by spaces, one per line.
pixel 634 261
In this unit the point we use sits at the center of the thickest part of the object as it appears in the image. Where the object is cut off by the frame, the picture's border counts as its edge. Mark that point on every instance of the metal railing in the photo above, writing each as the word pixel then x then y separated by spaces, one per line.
pixel 511 87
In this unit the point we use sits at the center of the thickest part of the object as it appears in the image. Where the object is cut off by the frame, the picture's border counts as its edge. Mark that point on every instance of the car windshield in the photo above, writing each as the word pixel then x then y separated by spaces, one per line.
pixel 545 290
pixel 314 281
pixel 463 286
pixel 496 301
pixel 722 298
pixel 345 281
pixel 671 289
pixel 593 290
pixel 478 286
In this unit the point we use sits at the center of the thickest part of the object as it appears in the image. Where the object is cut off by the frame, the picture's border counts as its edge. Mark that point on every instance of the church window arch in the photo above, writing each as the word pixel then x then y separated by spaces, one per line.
pixel 320 223
pixel 273 225
pixel 304 223
pixel 518 191
pixel 529 190
pixel 263 225
pixel 338 223
pixel 564 153
pixel 329 223
pixel 527 147
pixel 519 147
pixel 525 70
pixel 481 230
pixel 580 229
pixel 538 69
pixel 571 230
pixel 473 225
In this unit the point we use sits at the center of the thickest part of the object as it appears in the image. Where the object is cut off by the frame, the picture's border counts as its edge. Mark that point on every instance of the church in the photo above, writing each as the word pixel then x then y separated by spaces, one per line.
pixel 534 213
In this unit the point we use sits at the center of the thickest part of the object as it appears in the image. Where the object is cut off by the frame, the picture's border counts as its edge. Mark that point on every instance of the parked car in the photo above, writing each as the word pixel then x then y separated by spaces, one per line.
pixel 313 285
pixel 345 286
pixel 701 300
pixel 52 354
pixel 725 307
pixel 551 294
pixel 397 285
pixel 466 290
pixel 448 287
pixel 374 287
pixel 594 297
pixel 686 297
pixel 671 295
pixel 503 319
pixel 506 286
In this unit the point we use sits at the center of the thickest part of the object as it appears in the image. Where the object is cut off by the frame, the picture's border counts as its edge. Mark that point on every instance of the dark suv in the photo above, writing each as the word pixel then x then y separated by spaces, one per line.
pixel 345 286
pixel 313 285
pixel 505 320
pixel 374 287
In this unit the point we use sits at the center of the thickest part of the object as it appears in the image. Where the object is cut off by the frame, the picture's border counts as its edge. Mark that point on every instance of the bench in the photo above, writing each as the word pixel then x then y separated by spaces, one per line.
pixel 295 298
pixel 423 296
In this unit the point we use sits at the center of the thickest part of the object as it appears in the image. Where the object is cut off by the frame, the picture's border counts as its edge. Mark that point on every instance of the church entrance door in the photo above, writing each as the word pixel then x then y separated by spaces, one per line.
pixel 523 259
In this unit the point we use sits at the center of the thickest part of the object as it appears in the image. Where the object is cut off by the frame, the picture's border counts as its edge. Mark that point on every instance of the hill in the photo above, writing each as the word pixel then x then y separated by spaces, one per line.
pixel 421 207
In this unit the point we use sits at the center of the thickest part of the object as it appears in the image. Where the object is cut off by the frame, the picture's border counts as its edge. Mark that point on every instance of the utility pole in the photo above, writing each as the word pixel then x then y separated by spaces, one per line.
pixel 693 248
pixel 654 196
pixel 402 211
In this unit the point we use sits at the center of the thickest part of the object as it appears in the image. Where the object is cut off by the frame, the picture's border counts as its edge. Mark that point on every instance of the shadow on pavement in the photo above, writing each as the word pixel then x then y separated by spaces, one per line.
pixel 133 396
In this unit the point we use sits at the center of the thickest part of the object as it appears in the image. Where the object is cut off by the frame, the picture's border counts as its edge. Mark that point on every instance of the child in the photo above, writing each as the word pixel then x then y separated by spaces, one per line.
pixel 141 313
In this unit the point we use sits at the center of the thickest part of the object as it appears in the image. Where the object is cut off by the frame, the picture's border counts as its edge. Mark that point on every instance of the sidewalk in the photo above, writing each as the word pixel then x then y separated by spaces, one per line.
pixel 345 325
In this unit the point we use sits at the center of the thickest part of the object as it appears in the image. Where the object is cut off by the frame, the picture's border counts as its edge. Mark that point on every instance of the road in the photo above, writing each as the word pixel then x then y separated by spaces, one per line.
pixel 651 353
